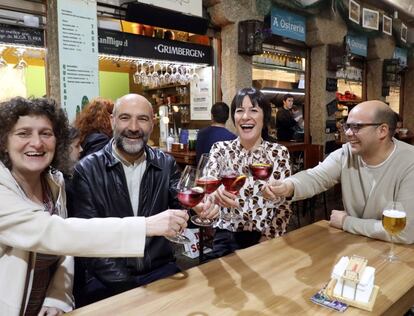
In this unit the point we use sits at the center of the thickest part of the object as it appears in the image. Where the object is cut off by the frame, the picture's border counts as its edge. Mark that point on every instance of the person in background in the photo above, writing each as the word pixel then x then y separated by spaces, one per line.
pixel 128 178
pixel 75 149
pixel 298 117
pixel 285 123
pixel 373 168
pixel 260 219
pixel 36 241
pixel 94 125
pixel 217 131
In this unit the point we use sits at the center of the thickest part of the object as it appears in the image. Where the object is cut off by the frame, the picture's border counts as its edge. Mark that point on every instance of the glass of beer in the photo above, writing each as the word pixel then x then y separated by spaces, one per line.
pixel 393 220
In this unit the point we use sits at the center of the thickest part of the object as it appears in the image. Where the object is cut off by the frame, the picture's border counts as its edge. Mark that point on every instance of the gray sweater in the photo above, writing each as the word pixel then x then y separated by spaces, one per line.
pixel 366 190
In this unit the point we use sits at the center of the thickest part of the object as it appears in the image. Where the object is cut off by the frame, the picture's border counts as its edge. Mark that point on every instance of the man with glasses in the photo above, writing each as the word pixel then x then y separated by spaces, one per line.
pixel 373 167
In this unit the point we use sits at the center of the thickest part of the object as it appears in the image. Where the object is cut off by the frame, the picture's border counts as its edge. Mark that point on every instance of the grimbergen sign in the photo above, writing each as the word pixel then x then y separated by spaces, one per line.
pixel 126 44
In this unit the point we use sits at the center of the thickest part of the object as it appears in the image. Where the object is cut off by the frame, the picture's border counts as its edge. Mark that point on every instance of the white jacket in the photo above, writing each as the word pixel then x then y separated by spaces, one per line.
pixel 25 228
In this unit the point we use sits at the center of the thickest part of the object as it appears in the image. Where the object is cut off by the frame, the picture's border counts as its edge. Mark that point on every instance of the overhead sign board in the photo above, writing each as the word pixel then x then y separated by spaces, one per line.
pixel 194 7
pixel 288 24
pixel 357 44
pixel 126 44
pixel 401 54
pixel 17 35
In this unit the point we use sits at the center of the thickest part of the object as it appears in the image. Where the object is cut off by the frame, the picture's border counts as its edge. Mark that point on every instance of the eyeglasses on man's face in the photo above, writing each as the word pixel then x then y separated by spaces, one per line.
pixel 356 127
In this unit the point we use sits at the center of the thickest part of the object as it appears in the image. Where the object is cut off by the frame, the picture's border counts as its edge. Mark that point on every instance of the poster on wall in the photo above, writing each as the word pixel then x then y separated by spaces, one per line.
pixel 78 54
pixel 354 11
pixel 370 19
pixel 387 25
pixel 404 32
pixel 201 94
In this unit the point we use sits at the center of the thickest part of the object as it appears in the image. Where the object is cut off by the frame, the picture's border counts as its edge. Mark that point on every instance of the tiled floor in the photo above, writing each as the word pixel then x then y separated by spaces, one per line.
pixel 333 199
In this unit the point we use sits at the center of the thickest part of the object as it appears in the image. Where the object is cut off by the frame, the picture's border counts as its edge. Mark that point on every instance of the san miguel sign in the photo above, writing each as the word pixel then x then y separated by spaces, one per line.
pixel 126 44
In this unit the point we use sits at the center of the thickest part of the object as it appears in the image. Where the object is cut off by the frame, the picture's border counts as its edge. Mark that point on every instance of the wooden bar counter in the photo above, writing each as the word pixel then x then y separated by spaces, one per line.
pixel 276 277
pixel 183 158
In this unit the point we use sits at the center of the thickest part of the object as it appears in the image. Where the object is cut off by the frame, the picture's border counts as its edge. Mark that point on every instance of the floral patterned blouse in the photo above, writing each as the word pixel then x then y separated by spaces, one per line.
pixel 269 217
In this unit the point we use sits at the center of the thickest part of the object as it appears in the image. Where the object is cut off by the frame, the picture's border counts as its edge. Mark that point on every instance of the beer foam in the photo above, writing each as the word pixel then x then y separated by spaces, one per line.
pixel 394 214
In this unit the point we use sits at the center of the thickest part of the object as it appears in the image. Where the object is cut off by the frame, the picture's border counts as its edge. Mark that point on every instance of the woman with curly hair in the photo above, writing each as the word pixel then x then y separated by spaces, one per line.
pixel 36 241
pixel 94 125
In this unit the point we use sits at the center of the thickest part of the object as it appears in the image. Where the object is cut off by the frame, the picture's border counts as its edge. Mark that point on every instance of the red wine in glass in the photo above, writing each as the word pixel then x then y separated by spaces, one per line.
pixel 191 197
pixel 233 182
pixel 208 179
pixel 209 184
pixel 261 171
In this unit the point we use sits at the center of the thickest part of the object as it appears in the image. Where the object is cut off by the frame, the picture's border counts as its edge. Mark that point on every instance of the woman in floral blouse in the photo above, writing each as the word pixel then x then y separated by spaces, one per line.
pixel 256 219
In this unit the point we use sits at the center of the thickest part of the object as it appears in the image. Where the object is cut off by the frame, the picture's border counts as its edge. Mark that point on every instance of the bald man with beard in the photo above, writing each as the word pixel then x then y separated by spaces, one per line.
pixel 127 178
pixel 373 168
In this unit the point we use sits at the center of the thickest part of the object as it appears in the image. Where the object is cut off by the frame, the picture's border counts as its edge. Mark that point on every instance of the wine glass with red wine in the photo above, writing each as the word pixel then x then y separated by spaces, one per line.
pixel 189 195
pixel 209 179
pixel 233 180
pixel 261 168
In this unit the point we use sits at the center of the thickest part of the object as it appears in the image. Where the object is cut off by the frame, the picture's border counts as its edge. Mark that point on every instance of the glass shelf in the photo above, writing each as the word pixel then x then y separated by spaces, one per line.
pixel 166 87
pixel 270 66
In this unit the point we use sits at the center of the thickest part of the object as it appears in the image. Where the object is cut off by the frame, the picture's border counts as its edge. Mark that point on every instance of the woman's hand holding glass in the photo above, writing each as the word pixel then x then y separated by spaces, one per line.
pixel 168 223
pixel 208 209
pixel 233 181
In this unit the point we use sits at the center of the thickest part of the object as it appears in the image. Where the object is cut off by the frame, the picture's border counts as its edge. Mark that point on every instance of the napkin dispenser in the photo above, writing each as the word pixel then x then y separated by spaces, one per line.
pixel 352 282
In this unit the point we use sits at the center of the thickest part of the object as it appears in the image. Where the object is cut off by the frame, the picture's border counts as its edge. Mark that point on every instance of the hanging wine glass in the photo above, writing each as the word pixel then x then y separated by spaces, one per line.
pixel 163 71
pixel 3 62
pixel 142 72
pixel 155 76
pixel 135 76
pixel 175 75
pixel 167 75
pixel 182 77
pixel 194 75
pixel 187 75
pixel 21 64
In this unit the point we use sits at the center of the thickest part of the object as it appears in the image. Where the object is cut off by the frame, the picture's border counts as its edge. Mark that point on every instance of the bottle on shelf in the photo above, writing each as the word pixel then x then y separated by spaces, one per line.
pixel 170 140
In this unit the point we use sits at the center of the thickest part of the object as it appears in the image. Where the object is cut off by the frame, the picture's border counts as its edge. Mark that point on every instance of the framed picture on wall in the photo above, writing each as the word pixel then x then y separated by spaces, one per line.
pixel 370 19
pixel 354 11
pixel 404 33
pixel 387 25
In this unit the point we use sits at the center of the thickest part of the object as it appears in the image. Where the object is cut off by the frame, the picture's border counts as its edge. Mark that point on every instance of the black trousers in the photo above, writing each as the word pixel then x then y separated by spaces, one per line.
pixel 226 242
pixel 94 290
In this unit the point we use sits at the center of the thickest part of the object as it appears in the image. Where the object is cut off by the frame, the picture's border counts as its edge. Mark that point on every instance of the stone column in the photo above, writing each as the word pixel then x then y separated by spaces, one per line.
pixel 236 71
pixel 52 56
pixel 379 48
pixel 322 30
pixel 408 114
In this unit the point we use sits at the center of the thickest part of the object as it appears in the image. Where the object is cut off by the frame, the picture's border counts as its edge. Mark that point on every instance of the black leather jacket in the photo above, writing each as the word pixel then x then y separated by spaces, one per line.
pixel 100 190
